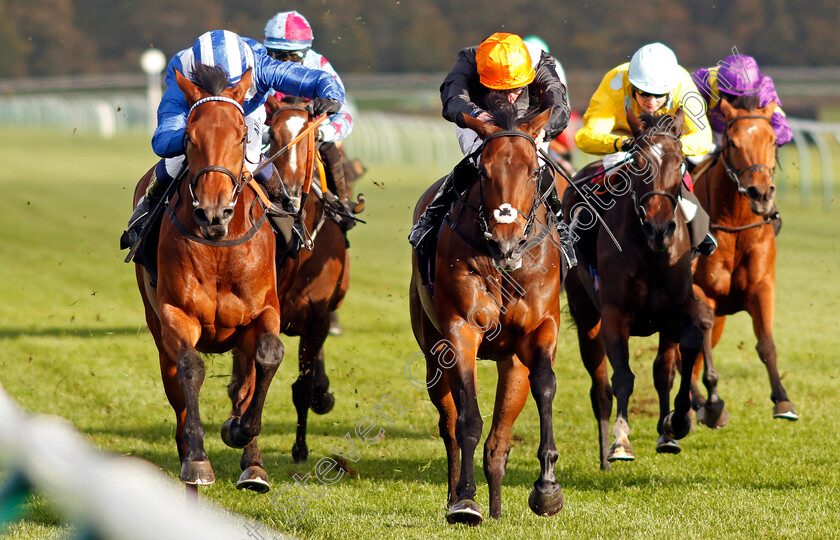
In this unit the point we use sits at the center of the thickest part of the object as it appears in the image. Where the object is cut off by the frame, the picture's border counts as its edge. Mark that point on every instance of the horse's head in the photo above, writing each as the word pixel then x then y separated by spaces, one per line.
pixel 749 151
pixel 287 119
pixel 656 172
pixel 509 185
pixel 214 141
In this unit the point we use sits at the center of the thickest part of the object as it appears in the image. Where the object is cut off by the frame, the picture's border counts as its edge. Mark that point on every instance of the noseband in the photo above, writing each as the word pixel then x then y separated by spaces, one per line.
pixel 736 175
pixel 638 202
pixel 237 180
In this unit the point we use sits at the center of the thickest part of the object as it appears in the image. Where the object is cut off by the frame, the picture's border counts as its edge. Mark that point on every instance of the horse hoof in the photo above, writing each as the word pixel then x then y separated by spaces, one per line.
pixel 300 453
pixel 674 429
pixel 253 478
pixel 664 445
pixel 323 404
pixel 198 473
pixel 232 435
pixel 785 411
pixel 546 504
pixel 621 452
pixel 465 511
pixel 714 419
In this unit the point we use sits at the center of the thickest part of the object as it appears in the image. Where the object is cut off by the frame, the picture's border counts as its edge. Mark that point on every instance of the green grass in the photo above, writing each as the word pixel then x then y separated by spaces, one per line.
pixel 74 344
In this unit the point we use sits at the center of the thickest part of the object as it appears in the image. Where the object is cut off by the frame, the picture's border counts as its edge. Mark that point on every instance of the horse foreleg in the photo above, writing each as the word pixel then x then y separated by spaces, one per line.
pixel 468 425
pixel 195 467
pixel 760 305
pixel 437 384
pixel 616 334
pixel 239 431
pixel 511 395
pixel 546 498
pixel 600 393
pixel 240 391
pixel 712 411
pixel 677 423
pixel 663 380
pixel 310 361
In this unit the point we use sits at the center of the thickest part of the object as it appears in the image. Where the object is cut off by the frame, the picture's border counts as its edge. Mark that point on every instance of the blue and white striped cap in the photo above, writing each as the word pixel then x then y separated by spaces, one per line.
pixel 225 49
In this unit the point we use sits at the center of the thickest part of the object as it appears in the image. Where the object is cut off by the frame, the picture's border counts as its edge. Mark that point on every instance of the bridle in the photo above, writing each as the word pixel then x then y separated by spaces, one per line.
pixel 506 213
pixel 238 180
pixel 638 202
pixel 735 175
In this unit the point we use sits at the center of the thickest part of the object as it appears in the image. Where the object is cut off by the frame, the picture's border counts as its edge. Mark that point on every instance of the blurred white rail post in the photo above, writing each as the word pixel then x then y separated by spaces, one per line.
pixel 112 497
pixel 153 62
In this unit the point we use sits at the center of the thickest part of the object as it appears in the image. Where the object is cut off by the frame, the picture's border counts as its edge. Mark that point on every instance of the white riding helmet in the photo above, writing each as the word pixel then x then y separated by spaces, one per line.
pixel 654 69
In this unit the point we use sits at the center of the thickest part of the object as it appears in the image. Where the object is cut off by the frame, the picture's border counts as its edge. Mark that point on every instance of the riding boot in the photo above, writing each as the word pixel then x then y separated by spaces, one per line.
pixel 335 182
pixel 554 205
pixel 776 220
pixel 154 193
pixel 282 212
pixel 702 240
pixel 435 211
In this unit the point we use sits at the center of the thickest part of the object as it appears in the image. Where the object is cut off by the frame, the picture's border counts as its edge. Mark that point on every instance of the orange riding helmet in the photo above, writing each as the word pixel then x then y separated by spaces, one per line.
pixel 503 62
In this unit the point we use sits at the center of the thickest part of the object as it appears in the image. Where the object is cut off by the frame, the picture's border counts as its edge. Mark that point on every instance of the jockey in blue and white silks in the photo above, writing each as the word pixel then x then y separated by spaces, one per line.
pixel 235 55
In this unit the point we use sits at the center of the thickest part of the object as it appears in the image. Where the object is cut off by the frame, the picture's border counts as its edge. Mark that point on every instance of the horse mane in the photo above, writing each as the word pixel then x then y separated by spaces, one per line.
pixel 212 79
pixel 505 115
pixel 294 100
pixel 747 103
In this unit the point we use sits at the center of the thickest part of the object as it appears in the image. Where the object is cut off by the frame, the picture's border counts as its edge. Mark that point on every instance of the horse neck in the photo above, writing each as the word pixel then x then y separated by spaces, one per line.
pixel 724 202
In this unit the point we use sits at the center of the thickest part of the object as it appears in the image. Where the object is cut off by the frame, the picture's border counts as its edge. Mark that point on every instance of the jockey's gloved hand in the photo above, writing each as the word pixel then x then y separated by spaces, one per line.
pixel 319 106
pixel 626 144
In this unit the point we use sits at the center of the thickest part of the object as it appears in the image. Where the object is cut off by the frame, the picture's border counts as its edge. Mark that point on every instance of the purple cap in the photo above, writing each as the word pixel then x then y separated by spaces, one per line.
pixel 739 75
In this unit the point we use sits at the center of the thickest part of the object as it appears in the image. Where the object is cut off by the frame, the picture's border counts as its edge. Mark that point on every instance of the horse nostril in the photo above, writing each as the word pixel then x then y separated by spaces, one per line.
pixel 753 193
pixel 771 193
pixel 227 214
pixel 670 228
pixel 200 216
pixel 648 228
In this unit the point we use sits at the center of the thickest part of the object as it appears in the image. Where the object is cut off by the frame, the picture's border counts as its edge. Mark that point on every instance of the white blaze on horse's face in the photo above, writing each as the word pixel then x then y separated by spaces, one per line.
pixel 295 125
pixel 504 213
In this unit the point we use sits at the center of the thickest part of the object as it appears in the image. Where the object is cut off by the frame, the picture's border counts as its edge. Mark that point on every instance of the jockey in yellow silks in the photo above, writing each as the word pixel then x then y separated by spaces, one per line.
pixel 652 82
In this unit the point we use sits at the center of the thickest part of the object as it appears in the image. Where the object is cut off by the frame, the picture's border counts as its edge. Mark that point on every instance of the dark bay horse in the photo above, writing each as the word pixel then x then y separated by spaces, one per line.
pixel 642 289
pixel 322 276
pixel 493 299
pixel 216 285
pixel 737 191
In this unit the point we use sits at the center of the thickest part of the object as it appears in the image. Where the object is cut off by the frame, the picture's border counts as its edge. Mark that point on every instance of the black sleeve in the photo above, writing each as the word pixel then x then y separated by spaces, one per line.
pixel 455 90
pixel 548 90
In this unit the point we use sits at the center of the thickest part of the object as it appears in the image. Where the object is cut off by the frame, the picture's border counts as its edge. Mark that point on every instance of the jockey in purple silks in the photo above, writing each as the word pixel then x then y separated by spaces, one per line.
pixel 738 75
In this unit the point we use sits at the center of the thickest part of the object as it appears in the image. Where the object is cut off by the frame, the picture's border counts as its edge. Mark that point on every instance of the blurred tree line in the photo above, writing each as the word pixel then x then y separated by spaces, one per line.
pixel 51 37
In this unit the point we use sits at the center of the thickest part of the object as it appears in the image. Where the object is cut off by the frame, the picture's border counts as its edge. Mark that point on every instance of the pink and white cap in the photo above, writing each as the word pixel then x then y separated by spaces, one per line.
pixel 288 31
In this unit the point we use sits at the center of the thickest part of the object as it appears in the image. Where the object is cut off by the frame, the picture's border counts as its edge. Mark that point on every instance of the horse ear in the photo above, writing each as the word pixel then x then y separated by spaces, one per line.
pixel 637 127
pixel 272 103
pixel 727 109
pixel 482 128
pixel 191 91
pixel 538 122
pixel 768 109
pixel 679 122
pixel 242 87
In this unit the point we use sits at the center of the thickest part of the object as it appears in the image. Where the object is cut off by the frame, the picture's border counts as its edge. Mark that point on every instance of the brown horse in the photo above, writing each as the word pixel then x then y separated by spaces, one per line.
pixel 322 275
pixel 644 287
pixel 737 191
pixel 216 285
pixel 493 299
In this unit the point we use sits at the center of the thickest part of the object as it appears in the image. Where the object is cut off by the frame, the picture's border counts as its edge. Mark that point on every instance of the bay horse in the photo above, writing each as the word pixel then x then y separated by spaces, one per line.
pixel 322 270
pixel 216 280
pixel 736 189
pixel 493 299
pixel 643 288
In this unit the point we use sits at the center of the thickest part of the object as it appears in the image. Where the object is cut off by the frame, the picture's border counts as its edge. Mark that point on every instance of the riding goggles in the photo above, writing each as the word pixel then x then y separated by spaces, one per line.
pixel 648 94
pixel 288 56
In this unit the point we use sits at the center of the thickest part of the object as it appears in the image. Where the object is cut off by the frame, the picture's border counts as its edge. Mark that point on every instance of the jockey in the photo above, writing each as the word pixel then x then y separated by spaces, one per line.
pixel 288 38
pixel 235 55
pixel 738 75
pixel 499 68
pixel 652 82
